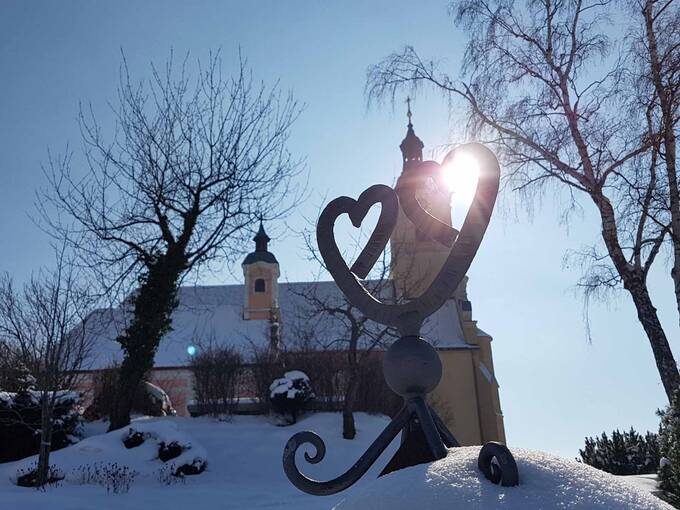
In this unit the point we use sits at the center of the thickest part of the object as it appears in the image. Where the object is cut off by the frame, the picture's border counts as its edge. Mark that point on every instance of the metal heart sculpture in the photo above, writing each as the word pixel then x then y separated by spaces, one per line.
pixel 411 365
pixel 408 317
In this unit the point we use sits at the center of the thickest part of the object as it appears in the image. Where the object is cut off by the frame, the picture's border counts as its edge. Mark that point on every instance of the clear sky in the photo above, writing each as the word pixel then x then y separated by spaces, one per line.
pixel 555 386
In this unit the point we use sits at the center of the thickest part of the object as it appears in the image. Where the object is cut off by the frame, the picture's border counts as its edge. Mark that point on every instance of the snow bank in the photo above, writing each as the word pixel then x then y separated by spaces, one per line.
pixel 244 466
pixel 109 448
pixel 546 483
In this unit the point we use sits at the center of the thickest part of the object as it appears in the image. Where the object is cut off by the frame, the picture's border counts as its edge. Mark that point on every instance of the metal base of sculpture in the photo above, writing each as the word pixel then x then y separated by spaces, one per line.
pixel 416 448
pixel 411 366
pixel 412 369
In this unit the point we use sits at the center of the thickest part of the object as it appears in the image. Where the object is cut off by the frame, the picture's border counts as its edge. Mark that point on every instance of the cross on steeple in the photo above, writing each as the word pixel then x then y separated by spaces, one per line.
pixel 408 111
pixel 411 146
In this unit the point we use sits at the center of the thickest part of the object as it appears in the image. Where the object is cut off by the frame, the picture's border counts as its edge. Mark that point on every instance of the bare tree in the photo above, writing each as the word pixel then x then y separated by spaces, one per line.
pixel 331 322
pixel 655 49
pixel 216 370
pixel 542 82
pixel 43 324
pixel 190 168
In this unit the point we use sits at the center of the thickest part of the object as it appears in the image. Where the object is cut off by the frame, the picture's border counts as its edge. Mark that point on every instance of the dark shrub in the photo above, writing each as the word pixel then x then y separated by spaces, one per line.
pixel 114 477
pixel 266 367
pixel 152 400
pixel 149 399
pixel 20 419
pixel 216 370
pixel 289 395
pixel 133 439
pixel 624 453
pixel 669 446
pixel 28 477
pixel 195 468
pixel 170 450
pixel 373 394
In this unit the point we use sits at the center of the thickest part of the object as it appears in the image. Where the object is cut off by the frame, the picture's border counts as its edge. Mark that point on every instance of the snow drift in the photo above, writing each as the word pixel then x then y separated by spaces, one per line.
pixel 547 482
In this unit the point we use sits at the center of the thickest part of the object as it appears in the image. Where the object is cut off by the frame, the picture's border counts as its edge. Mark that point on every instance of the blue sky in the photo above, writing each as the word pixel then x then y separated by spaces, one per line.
pixel 555 386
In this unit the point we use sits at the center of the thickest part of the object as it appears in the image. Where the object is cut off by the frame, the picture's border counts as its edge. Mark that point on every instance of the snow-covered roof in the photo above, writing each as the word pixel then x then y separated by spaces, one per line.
pixel 215 314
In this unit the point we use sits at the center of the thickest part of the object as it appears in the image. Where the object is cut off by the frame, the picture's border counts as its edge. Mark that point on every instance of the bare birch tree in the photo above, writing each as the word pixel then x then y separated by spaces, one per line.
pixel 43 325
pixel 655 50
pixel 192 164
pixel 543 83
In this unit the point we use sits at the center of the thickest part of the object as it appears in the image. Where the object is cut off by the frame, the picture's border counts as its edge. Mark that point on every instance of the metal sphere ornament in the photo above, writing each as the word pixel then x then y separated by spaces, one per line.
pixel 411 366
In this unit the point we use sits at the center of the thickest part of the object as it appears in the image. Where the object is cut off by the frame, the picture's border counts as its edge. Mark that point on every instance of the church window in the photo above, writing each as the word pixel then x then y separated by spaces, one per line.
pixel 259 285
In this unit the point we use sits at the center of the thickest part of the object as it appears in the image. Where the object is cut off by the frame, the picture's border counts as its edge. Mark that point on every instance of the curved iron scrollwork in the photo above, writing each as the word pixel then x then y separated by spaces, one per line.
pixel 347 479
pixel 424 435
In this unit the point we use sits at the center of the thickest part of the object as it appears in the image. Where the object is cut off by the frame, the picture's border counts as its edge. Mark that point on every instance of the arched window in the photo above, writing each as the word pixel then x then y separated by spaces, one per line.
pixel 259 285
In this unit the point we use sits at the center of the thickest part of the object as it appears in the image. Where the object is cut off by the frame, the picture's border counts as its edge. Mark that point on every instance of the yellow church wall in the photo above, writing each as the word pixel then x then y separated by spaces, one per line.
pixel 465 400
pixel 455 399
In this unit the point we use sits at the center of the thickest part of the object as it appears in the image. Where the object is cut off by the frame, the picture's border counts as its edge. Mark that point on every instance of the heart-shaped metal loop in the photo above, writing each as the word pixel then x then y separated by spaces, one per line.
pixel 408 317
pixel 357 210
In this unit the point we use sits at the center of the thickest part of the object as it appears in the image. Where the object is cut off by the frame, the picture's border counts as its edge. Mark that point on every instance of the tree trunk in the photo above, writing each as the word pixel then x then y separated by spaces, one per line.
pixel 668 140
pixel 665 362
pixel 42 473
pixel 349 430
pixel 634 281
pixel 153 307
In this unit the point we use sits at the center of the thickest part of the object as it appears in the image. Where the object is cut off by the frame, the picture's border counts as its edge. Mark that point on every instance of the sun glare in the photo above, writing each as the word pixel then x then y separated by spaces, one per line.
pixel 461 175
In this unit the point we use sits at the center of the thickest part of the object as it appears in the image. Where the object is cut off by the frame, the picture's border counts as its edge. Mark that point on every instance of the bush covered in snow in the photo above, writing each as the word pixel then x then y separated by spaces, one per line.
pixel 624 453
pixel 20 414
pixel 289 394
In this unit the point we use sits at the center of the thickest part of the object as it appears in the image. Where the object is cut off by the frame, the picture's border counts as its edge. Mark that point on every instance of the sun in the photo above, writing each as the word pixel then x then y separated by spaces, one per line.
pixel 461 175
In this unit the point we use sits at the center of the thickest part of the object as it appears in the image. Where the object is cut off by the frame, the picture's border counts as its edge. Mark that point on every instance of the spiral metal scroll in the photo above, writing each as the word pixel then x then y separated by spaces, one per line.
pixel 347 479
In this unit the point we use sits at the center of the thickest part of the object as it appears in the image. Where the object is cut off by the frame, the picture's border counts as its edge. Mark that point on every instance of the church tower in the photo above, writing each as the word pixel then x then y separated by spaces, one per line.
pixel 261 275
pixel 416 260
pixel 467 397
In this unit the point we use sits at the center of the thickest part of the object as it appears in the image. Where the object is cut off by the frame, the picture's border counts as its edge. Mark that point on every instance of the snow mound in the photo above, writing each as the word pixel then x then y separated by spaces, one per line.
pixel 109 449
pixel 547 482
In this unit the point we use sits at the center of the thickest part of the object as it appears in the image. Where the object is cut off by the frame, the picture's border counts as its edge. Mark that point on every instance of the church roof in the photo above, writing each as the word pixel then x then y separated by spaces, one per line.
pixel 411 146
pixel 215 314
pixel 260 256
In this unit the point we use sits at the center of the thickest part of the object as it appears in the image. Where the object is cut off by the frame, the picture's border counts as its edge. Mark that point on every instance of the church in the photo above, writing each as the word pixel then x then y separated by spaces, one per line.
pixel 262 308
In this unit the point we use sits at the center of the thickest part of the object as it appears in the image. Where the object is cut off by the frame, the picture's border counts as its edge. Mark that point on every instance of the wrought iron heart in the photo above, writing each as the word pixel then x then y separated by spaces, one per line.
pixel 408 316
pixel 357 210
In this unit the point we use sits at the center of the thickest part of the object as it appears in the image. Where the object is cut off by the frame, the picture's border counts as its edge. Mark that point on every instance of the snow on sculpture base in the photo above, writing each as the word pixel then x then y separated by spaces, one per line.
pixel 547 482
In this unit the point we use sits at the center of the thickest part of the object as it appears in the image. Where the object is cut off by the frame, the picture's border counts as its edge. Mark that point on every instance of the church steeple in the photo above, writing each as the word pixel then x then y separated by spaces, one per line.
pixel 416 259
pixel 411 146
pixel 261 273
pixel 261 239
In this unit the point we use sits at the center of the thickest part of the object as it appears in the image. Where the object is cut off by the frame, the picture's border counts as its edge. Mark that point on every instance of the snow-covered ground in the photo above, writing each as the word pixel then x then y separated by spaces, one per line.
pixel 648 483
pixel 547 482
pixel 244 466
pixel 244 471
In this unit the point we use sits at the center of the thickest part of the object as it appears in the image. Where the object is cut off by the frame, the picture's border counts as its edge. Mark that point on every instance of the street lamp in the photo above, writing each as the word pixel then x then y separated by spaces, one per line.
pixel 411 366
